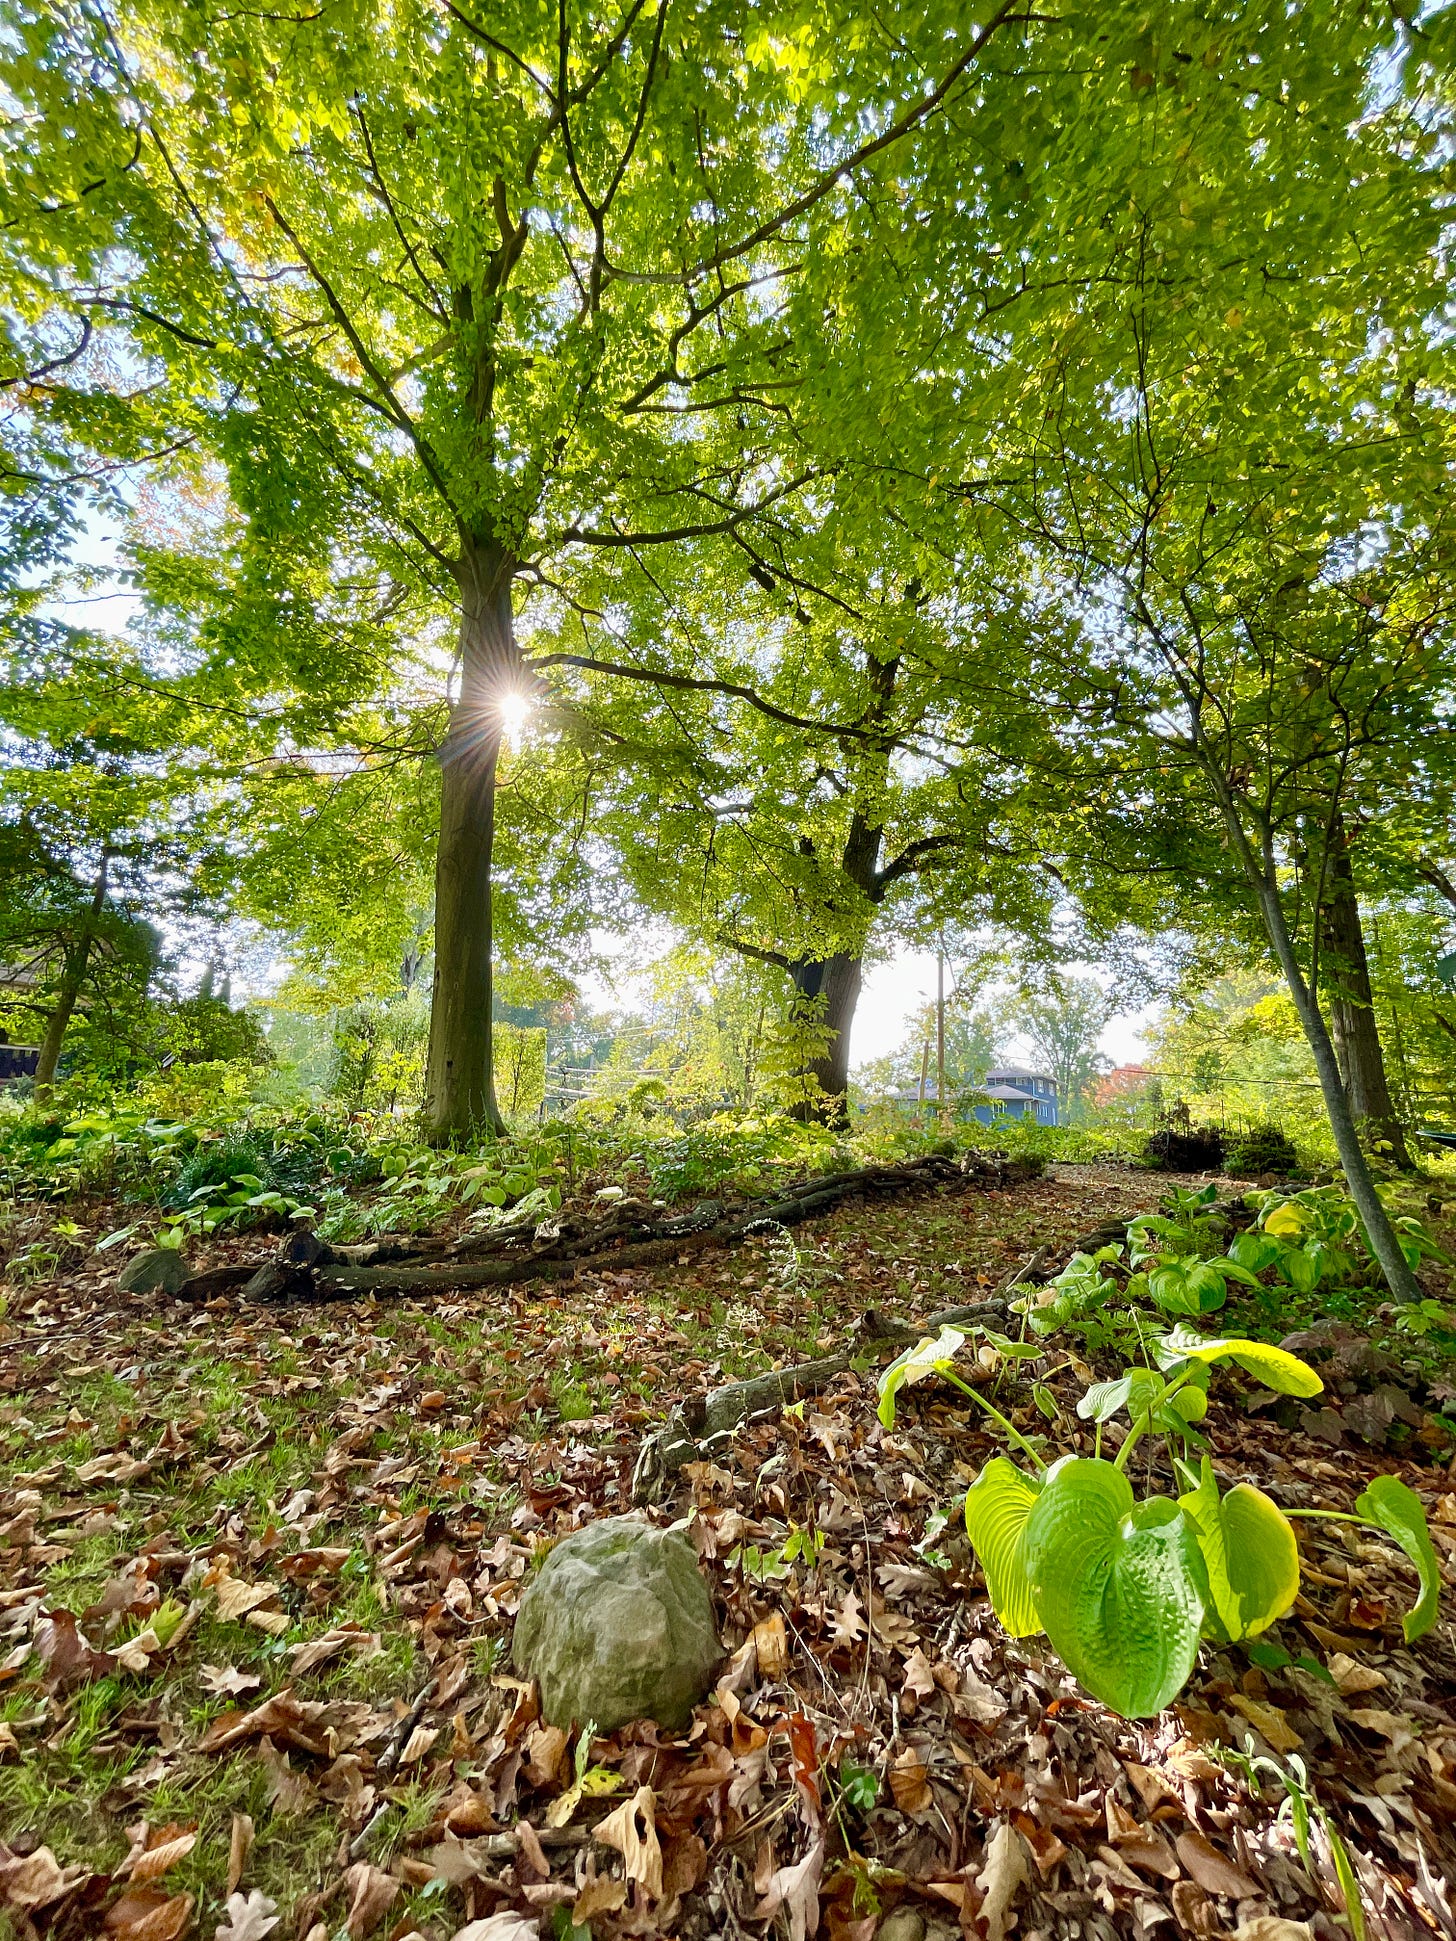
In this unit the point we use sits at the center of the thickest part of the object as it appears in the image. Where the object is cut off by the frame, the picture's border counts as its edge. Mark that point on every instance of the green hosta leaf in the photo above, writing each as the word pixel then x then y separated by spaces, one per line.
pixel 1120 1585
pixel 998 1504
pixel 1255 1250
pixel 1286 1374
pixel 1138 1390
pixel 1249 1551
pixel 1173 1288
pixel 1189 1404
pixel 1398 1512
pixel 926 1358
pixel 1301 1269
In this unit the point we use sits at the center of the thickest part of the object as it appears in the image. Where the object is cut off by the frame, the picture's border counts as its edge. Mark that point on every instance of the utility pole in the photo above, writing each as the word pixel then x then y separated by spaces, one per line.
pixel 940 1036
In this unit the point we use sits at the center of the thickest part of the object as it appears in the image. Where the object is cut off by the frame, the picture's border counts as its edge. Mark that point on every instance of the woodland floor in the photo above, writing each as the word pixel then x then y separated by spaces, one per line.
pixel 344 1500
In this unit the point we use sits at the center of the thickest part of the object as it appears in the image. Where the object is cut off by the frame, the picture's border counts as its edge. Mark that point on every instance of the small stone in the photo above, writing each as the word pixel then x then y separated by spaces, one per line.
pixel 158 1268
pixel 902 1924
pixel 618 1625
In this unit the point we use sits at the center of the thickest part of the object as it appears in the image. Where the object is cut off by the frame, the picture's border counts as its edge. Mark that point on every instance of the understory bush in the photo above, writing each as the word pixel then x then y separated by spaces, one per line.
pixel 1261 1149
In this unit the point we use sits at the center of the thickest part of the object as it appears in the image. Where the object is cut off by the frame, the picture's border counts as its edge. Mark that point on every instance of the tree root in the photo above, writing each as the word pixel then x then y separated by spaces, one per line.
pixel 702 1425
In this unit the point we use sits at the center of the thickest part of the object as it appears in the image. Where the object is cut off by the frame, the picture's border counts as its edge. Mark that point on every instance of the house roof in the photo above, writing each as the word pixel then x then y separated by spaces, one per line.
pixel 1002 1072
pixel 1009 1092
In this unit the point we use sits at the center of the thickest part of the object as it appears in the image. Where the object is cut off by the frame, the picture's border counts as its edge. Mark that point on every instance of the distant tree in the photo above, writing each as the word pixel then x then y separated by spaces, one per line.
pixel 1062 1020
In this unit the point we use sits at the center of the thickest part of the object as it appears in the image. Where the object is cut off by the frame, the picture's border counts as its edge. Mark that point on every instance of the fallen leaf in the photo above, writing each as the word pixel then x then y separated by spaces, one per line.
pixel 1002 1877
pixel 34 1879
pixel 281 1717
pixel 1273 1927
pixel 771 1644
pixel 115 1468
pixel 419 1743
pixel 545 1763
pixel 1214 1872
pixel 1268 1720
pixel 1139 1845
pixel 249 1916
pixel 505 1926
pixel 226 1681
pixel 236 1597
pixel 637 1844
pixel 684 1865
pixel 1388 1725
pixel 147 1914
pixel 310 1563
pixel 240 1845
pixel 1352 1677
pixel 65 1653
pixel 910 1782
pixel 795 1890
pixel 978 1701
pixel 288 1791
pixel 344 1637
pixel 599 1894
pixel 529 1851
pixel 371 1894
pixel 156 1851
pixel 1150 1785
pixel 849 1626
pixel 457 1861
pixel 919 1678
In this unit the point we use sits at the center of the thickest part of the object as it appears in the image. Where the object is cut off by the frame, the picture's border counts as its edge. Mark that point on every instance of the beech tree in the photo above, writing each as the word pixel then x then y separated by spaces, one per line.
pixel 829 806
pixel 449 297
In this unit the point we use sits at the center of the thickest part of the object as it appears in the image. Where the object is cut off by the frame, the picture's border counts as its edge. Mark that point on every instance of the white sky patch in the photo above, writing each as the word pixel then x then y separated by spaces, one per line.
pixel 895 990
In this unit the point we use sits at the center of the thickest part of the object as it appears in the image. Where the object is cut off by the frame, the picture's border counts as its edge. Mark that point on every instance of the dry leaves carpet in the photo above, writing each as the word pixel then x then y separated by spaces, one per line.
pixel 258 1571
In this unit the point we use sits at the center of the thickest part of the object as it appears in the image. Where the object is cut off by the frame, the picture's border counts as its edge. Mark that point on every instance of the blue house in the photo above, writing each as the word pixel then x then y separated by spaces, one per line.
pixel 1014 1092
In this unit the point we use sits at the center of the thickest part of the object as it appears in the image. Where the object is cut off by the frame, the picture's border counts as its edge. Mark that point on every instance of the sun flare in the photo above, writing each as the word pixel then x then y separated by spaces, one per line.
pixel 515 712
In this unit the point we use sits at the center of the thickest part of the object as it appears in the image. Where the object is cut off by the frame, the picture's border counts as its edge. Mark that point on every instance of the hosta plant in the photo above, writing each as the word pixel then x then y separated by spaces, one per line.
pixel 1125 1588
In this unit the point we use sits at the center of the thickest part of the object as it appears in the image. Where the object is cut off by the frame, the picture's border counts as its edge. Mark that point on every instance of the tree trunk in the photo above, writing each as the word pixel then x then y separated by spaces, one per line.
pixel 73 975
pixel 1373 1217
pixel 836 982
pixel 1352 1011
pixel 460 1102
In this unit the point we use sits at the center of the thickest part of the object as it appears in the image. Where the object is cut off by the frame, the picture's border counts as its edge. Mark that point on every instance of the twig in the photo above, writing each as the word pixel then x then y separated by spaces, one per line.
pixel 385 1765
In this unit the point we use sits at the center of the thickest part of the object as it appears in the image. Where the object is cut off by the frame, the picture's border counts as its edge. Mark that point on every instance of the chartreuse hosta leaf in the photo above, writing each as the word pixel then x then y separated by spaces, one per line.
pixel 1249 1552
pixel 926 1358
pixel 1286 1374
pixel 1136 1391
pixel 1398 1512
pixel 998 1505
pixel 1119 1585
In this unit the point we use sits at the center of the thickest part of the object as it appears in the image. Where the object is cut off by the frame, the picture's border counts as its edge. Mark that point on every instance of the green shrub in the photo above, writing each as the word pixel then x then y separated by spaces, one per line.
pixel 1261 1149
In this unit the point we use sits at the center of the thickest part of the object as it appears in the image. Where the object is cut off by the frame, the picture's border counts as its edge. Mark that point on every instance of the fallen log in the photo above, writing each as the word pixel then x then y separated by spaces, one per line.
pixel 615 1244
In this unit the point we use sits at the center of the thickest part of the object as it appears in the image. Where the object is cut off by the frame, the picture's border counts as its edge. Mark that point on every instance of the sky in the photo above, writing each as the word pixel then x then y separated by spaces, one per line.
pixel 893 991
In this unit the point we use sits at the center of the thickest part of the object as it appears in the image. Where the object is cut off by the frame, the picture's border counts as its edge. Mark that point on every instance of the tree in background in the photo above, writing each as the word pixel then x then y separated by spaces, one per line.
pixel 1061 1019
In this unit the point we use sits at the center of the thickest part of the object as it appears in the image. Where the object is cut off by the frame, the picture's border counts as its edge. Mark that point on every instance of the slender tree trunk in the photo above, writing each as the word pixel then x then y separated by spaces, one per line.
pixel 73 976
pixel 1352 1010
pixel 460 1101
pixel 1373 1217
pixel 836 982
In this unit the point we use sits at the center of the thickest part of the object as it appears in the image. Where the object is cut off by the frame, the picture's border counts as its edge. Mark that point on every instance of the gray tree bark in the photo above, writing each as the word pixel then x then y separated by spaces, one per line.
pixel 460 1100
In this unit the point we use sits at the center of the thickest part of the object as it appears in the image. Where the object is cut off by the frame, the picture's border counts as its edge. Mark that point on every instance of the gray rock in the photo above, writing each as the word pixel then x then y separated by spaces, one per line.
pixel 904 1924
pixel 617 1625
pixel 158 1267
